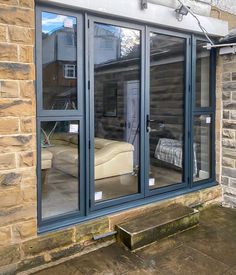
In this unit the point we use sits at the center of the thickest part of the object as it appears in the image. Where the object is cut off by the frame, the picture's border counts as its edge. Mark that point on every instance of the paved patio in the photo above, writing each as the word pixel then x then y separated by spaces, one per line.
pixel 207 249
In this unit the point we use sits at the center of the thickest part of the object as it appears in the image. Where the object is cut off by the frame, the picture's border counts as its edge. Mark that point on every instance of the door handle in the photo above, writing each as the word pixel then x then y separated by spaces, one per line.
pixel 148 121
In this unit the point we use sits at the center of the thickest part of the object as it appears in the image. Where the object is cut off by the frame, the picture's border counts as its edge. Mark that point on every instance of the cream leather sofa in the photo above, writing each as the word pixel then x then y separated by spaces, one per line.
pixel 112 158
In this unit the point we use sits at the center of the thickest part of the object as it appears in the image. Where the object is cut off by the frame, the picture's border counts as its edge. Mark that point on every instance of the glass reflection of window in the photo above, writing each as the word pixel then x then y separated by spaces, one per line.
pixel 202 76
pixel 59 39
pixel 69 71
pixel 117 58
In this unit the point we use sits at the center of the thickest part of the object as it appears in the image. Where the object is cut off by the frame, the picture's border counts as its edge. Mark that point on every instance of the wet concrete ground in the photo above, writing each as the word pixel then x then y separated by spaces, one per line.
pixel 207 249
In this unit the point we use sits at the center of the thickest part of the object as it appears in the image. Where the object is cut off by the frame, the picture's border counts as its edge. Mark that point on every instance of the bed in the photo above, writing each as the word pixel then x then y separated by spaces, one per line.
pixel 170 151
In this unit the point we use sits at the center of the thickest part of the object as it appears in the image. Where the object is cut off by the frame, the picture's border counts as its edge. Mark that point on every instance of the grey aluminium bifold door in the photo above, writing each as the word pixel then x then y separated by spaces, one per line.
pixel 168 63
pixel 116 105
pixel 60 116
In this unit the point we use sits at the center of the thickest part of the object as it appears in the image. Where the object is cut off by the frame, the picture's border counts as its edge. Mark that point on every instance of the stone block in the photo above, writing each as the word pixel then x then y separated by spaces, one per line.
pixel 29 194
pixel 5 235
pixel 9 126
pixel 16 16
pixel 16 107
pixel 228 153
pixel 17 71
pixel 21 35
pixel 30 263
pixel 233 115
pixel 229 191
pixel 9 89
pixel 24 230
pixel 10 2
pixel 7 161
pixel 10 179
pixel 229 143
pixel 229 125
pixel 229 105
pixel 29 182
pixel 226 76
pixel 27 89
pixel 234 76
pixel 48 242
pixel 27 3
pixel 18 213
pixel 3 33
pixel 8 52
pixel 229 172
pixel 9 254
pixel 224 180
pixel 229 67
pixel 233 95
pixel 228 162
pixel 232 183
pixel 10 198
pixel 28 173
pixel 26 54
pixel 87 230
pixel 230 200
pixel 16 143
pixel 228 134
pixel 226 114
pixel 66 252
pixel 27 159
pixel 229 86
pixel 27 125
pixel 226 95
pixel 210 194
pixel 8 269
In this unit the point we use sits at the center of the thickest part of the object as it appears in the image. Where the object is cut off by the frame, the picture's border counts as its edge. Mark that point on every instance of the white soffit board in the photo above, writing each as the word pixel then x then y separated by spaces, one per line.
pixel 155 14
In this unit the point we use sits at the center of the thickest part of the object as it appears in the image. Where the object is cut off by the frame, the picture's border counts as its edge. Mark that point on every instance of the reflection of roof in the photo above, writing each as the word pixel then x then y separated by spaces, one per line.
pixel 59 29
pixel 229 38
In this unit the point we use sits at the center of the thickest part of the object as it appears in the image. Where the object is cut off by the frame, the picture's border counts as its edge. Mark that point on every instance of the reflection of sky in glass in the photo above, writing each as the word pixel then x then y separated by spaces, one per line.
pixel 129 38
pixel 52 21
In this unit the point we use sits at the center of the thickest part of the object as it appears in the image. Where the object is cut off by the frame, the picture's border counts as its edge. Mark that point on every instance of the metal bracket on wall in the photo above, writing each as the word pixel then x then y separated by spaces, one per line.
pixel 143 4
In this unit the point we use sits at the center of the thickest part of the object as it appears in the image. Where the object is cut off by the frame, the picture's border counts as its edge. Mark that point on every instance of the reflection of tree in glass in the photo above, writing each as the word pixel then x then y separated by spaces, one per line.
pixel 130 42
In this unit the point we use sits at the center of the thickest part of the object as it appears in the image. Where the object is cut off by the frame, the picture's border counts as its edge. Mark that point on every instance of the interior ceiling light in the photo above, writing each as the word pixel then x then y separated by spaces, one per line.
pixel 181 11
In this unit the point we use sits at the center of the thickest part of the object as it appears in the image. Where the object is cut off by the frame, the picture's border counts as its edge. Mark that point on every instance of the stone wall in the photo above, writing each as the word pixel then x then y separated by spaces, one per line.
pixel 229 130
pixel 21 247
pixel 17 126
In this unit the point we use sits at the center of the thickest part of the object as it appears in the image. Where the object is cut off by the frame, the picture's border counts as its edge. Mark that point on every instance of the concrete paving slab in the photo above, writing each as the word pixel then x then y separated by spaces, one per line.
pixel 209 248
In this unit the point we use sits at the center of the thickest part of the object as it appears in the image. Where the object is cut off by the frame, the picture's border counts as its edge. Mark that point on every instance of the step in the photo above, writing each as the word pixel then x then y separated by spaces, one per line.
pixel 152 226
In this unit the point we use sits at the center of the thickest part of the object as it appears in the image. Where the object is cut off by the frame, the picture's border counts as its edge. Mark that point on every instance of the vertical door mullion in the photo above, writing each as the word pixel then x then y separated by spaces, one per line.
pixel 92 113
pixel 87 113
pixel 147 110
pixel 192 106
pixel 187 111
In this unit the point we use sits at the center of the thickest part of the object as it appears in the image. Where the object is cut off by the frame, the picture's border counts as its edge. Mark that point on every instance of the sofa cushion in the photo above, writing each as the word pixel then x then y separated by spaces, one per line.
pixel 101 142
pixel 64 153
pixel 111 150
pixel 46 159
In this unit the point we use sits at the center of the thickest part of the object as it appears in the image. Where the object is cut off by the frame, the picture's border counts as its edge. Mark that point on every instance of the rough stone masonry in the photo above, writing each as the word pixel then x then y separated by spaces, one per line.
pixel 21 247
pixel 229 130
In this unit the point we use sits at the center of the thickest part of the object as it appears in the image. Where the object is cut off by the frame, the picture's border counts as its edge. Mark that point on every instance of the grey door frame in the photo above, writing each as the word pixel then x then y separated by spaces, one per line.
pixel 100 205
pixel 89 211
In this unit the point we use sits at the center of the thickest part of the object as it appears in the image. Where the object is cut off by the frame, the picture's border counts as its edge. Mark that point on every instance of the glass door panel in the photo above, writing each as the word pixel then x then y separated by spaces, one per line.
pixel 59 61
pixel 60 167
pixel 165 123
pixel 117 77
pixel 202 147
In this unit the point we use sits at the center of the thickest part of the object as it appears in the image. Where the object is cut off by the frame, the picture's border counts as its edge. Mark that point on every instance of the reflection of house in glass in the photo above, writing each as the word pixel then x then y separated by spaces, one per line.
pixel 60 68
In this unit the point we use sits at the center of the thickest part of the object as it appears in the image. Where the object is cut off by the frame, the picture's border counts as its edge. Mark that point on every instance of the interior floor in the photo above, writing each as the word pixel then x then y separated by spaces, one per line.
pixel 59 194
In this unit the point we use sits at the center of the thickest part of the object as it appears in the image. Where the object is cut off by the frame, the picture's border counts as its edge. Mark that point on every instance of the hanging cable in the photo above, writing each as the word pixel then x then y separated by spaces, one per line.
pixel 198 21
